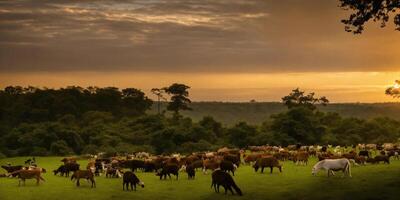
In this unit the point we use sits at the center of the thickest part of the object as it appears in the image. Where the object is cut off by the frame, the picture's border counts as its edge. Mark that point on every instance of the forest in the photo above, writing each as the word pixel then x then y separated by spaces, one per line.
pixel 75 120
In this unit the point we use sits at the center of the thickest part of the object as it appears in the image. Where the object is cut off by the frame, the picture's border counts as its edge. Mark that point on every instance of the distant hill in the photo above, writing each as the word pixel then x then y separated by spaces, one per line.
pixel 255 113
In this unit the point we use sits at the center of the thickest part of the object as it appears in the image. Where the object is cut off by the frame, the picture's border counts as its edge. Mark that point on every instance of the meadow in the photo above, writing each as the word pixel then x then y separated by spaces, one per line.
pixel 296 182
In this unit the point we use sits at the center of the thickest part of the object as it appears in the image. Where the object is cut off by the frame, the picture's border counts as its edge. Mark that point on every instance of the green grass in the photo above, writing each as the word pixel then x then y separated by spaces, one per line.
pixel 296 182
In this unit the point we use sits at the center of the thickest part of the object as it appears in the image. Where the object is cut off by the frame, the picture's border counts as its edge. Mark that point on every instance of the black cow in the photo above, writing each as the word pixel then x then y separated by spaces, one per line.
pixel 221 178
pixel 364 153
pixel 227 166
pixel 167 170
pixel 11 169
pixel 130 178
pixel 190 170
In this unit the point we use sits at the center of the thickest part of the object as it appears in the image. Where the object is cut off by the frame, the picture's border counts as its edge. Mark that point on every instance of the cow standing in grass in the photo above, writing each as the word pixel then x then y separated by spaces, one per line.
pixel 267 161
pixel 86 174
pixel 221 178
pixel 167 170
pixel 131 179
pixel 28 174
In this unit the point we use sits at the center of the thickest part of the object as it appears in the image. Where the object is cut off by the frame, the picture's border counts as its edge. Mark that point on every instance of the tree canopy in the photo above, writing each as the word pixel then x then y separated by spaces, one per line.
pixel 366 10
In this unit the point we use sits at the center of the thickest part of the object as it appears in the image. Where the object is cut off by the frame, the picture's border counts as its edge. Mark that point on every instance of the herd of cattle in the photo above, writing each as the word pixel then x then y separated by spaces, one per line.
pixel 222 163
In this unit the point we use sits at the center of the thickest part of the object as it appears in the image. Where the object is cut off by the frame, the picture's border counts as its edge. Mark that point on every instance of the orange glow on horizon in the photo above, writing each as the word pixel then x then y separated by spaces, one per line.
pixel 337 86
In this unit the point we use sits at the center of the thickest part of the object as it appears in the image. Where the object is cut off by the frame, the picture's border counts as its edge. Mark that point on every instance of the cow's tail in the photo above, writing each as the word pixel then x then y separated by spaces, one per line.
pixel 237 189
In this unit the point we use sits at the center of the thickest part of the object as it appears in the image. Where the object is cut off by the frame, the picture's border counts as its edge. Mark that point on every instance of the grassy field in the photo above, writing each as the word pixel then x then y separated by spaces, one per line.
pixel 296 182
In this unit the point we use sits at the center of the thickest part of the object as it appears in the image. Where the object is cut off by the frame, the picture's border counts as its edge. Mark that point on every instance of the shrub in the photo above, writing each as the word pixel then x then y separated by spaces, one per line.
pixel 60 148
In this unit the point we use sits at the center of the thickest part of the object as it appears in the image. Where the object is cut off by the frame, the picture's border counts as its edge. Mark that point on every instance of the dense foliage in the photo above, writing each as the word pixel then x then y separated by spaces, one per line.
pixel 367 10
pixel 78 120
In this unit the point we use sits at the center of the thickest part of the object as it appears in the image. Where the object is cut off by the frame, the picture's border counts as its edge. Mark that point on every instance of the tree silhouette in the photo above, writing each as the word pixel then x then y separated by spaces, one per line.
pixel 365 10
pixel 298 98
pixel 159 93
pixel 179 97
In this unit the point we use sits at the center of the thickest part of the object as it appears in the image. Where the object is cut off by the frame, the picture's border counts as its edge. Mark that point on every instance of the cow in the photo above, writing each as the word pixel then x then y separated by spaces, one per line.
pixel 113 172
pixel 24 174
pixel 248 159
pixel 382 158
pixel 190 170
pixel 167 170
pixel 129 178
pixel 221 178
pixel 133 164
pixel 210 164
pixel 301 158
pixel 11 169
pixel 269 161
pixel 234 158
pixel 62 170
pixel 364 153
pixel 87 174
pixel 227 166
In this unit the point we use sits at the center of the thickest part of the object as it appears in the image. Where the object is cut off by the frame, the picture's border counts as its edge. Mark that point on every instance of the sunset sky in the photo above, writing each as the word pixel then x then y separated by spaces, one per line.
pixel 227 50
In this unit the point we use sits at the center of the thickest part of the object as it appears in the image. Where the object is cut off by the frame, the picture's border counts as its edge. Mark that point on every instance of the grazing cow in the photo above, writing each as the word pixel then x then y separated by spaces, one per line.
pixel 87 174
pixel 227 166
pixel 331 165
pixel 130 178
pixel 210 164
pixel 190 170
pixel 62 170
pixel 113 172
pixel 234 158
pixel 167 170
pixel 382 158
pixel 267 161
pixel 221 178
pixel 24 174
pixel 65 169
pixel 11 169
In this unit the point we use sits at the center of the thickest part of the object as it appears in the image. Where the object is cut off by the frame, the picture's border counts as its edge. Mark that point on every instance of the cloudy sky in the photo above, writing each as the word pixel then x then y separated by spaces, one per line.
pixel 227 50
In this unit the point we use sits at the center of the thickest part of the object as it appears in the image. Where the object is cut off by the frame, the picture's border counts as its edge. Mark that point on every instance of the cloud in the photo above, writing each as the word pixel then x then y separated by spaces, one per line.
pixel 187 36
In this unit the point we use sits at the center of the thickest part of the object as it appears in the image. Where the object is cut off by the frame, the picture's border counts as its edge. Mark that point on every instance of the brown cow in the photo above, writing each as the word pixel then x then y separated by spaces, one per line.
pixel 210 164
pixel 301 158
pixel 267 161
pixel 24 174
pixel 87 174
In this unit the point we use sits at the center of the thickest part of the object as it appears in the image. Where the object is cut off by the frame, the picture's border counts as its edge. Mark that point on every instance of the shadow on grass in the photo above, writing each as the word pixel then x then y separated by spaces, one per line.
pixel 384 185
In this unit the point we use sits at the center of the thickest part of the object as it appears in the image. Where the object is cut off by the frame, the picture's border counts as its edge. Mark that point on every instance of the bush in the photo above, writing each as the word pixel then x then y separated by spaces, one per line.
pixel 90 149
pixel 60 148
pixel 39 151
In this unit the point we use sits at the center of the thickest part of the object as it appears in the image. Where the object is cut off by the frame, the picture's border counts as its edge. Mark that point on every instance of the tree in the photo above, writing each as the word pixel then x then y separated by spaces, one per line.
pixel 241 135
pixel 298 98
pixel 135 101
pixel 179 97
pixel 365 10
pixel 159 93
pixel 394 90
pixel 299 124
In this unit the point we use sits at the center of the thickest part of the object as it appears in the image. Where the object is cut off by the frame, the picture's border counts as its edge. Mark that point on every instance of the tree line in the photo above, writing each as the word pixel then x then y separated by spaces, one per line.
pixel 76 120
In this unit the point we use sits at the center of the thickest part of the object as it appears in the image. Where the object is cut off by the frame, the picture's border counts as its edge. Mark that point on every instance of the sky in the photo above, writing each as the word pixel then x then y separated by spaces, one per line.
pixel 226 50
